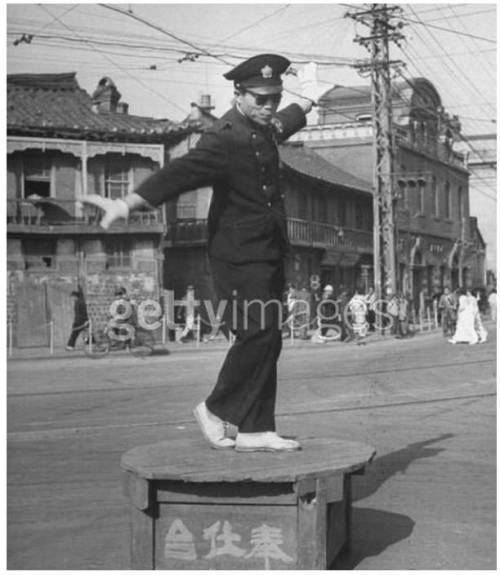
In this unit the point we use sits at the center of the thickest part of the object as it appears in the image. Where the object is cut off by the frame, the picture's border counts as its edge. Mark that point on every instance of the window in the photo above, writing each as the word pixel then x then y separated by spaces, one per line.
pixel 116 176
pixel 39 253
pixel 186 211
pixel 321 208
pixel 403 195
pixel 435 197
pixel 37 175
pixel 460 203
pixel 421 197
pixel 447 201
pixel 117 252
pixel 302 206
pixel 358 214
pixel 342 213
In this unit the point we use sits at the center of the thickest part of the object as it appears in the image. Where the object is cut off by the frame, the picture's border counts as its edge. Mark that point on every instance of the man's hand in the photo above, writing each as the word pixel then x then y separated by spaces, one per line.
pixel 112 209
pixel 306 104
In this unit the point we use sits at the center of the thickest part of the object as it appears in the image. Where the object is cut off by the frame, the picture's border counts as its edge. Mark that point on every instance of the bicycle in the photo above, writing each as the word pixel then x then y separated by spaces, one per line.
pixel 139 342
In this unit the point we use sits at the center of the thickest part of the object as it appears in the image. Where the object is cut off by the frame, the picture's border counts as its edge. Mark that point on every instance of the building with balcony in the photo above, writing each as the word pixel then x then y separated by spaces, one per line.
pixel 438 243
pixel 62 144
pixel 330 227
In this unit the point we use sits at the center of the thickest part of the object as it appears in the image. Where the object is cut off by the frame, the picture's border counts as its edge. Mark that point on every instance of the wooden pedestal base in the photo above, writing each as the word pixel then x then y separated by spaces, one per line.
pixel 197 508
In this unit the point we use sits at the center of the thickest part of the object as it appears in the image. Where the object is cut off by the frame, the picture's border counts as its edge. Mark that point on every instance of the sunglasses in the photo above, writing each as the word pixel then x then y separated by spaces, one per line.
pixel 262 99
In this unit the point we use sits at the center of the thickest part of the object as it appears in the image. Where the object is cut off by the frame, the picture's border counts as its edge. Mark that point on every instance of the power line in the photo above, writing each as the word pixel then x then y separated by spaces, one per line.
pixel 297 58
pixel 475 43
pixel 117 65
pixel 259 21
pixel 427 25
pixel 458 15
pixel 163 31
pixel 431 34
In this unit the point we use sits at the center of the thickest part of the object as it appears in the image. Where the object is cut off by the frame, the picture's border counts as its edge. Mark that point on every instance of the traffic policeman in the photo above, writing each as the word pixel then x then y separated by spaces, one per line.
pixel 247 243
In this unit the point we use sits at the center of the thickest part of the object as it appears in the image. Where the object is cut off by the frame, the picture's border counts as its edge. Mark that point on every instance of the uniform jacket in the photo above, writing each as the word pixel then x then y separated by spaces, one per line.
pixel 240 160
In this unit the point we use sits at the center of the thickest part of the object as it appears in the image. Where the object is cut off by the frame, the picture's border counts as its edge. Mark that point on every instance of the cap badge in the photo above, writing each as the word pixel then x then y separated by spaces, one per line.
pixel 267 72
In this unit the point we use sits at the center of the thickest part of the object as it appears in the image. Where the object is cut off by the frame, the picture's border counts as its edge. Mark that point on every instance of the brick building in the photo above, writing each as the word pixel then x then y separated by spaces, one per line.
pixel 438 243
pixel 62 144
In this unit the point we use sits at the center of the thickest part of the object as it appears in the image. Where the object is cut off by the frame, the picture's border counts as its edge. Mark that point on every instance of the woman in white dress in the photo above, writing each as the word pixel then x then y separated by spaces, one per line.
pixel 467 310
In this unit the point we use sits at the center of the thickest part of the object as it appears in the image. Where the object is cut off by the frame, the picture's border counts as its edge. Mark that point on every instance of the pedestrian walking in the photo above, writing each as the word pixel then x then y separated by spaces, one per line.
pixel 492 302
pixel 80 318
pixel 247 243
pixel 403 316
pixel 357 316
pixel 466 319
pixel 370 299
pixel 188 316
pixel 448 307
pixel 481 331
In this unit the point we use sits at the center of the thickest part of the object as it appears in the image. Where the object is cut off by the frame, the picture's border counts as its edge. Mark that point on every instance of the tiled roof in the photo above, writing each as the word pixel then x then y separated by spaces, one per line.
pixel 55 105
pixel 355 159
pixel 306 161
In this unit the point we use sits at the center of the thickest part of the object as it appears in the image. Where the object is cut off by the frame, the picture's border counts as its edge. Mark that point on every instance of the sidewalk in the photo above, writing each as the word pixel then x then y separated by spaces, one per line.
pixel 37 353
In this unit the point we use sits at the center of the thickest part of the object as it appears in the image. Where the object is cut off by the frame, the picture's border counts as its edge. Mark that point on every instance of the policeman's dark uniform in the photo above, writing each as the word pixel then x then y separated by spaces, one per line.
pixel 247 240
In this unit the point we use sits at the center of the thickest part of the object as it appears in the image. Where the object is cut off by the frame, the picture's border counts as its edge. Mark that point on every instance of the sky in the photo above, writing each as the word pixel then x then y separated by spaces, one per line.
pixel 162 57
pixel 153 71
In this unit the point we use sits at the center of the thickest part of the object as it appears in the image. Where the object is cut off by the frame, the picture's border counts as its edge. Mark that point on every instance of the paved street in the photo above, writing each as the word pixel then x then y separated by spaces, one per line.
pixel 429 409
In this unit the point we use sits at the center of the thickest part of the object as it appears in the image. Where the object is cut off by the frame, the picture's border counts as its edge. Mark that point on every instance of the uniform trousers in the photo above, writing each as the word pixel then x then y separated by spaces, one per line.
pixel 245 392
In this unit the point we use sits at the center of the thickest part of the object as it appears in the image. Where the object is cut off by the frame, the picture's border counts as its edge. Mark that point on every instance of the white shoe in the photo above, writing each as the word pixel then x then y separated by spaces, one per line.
pixel 452 341
pixel 213 428
pixel 266 441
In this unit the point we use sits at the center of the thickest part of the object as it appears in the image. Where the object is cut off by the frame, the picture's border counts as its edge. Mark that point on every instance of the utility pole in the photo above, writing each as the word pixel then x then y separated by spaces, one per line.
pixel 378 18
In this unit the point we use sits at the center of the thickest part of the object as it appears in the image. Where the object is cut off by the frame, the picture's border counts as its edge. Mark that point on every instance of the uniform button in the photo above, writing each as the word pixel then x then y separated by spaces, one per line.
pixel 269 204
pixel 264 188
pixel 254 135
pixel 257 154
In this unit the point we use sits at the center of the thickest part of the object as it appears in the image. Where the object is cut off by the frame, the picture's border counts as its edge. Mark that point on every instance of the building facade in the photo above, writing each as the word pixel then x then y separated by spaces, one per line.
pixel 62 144
pixel 329 218
pixel 438 243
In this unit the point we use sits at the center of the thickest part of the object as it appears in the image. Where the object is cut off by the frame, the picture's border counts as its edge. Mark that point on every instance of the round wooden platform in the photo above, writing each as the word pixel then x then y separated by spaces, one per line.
pixel 193 460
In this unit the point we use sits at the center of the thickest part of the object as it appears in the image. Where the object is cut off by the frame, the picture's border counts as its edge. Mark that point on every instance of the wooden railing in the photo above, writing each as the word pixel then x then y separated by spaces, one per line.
pixel 187 231
pixel 52 212
pixel 327 235
pixel 301 232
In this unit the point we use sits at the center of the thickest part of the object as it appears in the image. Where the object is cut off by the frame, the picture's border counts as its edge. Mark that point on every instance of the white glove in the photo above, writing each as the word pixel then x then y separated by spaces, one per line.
pixel 113 209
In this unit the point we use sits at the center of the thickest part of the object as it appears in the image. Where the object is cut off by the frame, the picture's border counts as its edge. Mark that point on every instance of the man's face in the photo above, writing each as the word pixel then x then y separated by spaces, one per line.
pixel 259 112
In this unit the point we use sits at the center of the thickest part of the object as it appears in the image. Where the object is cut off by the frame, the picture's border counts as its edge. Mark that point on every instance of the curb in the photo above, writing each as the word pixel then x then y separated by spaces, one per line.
pixel 174 347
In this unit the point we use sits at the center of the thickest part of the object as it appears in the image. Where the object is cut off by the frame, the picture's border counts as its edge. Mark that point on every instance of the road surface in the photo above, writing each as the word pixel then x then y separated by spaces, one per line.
pixel 429 408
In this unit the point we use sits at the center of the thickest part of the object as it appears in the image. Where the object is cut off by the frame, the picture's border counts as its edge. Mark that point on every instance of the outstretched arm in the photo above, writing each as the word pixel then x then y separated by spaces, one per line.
pixel 114 210
pixel 200 167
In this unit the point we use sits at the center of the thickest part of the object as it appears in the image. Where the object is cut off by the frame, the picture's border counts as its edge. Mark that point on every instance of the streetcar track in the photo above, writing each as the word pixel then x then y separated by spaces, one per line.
pixel 288 378
pixel 64 432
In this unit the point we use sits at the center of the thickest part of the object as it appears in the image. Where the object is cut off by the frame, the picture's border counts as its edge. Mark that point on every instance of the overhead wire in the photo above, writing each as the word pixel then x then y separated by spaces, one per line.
pixel 256 23
pixel 163 31
pixel 476 45
pixel 117 65
pixel 453 31
pixel 460 71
